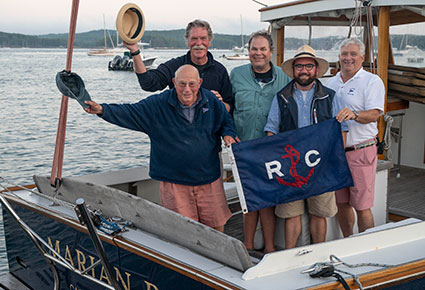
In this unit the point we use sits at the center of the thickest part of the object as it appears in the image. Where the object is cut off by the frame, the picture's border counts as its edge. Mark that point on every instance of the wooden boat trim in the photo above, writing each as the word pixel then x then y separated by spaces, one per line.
pixel 394 275
pixel 120 242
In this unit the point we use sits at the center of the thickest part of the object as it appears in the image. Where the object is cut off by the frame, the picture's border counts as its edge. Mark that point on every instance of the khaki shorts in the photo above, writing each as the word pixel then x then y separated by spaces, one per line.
pixel 323 205
pixel 204 203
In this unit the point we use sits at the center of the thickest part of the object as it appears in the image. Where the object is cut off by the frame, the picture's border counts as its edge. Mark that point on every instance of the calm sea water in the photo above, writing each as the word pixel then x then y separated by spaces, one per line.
pixel 29 110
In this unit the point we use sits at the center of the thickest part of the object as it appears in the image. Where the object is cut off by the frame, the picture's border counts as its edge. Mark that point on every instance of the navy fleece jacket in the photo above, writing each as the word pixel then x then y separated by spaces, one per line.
pixel 181 152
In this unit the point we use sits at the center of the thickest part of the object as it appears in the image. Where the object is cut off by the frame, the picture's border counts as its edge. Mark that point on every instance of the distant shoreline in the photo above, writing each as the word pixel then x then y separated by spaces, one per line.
pixel 173 39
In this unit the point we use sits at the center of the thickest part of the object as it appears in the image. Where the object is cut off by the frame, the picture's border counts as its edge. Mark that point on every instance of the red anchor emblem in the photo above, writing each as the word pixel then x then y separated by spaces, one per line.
pixel 294 155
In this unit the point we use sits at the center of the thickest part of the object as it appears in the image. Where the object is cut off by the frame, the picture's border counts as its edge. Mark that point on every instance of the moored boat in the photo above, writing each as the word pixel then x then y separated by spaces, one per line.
pixel 164 250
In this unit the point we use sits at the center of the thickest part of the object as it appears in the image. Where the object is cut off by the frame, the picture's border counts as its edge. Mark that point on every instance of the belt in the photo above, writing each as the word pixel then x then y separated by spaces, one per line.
pixel 361 146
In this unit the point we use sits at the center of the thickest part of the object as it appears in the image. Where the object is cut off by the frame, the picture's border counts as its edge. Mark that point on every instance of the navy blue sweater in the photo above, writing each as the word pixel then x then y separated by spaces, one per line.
pixel 181 152
pixel 213 74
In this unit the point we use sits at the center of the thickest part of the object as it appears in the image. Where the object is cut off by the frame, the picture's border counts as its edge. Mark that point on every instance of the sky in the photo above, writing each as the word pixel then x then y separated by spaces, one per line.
pixel 52 16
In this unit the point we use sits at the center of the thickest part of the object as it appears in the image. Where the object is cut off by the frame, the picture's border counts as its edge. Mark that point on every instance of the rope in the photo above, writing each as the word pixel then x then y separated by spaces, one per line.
pixel 371 34
pixel 328 269
pixel 387 136
pixel 335 259
pixel 356 19
pixel 57 164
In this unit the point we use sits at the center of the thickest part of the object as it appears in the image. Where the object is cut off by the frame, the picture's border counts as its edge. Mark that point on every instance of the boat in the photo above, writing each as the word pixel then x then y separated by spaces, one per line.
pixel 108 231
pixel 244 46
pixel 123 60
pixel 125 63
pixel 414 54
pixel 237 57
pixel 243 49
pixel 105 51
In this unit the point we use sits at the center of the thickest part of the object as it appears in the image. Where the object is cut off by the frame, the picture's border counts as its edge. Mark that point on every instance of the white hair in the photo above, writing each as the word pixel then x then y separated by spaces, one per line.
pixel 354 41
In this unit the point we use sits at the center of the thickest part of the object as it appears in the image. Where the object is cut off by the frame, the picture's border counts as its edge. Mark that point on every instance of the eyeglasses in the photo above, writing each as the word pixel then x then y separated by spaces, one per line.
pixel 184 84
pixel 308 66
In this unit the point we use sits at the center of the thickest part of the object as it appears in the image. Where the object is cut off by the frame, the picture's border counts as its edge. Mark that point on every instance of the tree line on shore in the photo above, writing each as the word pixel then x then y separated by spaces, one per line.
pixel 174 39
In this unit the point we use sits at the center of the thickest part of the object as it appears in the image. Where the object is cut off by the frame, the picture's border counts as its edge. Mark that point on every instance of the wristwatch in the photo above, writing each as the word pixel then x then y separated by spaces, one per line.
pixel 135 52
pixel 355 113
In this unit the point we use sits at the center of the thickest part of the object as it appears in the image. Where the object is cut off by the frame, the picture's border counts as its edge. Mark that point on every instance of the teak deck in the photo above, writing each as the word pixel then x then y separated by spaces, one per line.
pixel 406 194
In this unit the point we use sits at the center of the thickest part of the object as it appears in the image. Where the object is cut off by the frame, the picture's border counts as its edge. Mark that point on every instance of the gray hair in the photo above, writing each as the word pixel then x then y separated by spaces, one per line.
pixel 261 33
pixel 354 41
pixel 198 23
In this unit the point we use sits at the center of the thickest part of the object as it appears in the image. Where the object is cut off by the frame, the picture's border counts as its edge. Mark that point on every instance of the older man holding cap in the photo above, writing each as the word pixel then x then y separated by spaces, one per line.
pixel 185 125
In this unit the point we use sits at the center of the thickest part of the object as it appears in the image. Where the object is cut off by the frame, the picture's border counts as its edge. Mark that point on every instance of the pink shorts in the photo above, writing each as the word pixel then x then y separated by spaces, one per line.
pixel 204 203
pixel 362 164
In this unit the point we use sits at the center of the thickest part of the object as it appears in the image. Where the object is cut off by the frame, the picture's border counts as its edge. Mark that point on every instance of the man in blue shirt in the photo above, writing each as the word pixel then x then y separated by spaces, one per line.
pixel 303 102
pixel 185 125
pixel 215 77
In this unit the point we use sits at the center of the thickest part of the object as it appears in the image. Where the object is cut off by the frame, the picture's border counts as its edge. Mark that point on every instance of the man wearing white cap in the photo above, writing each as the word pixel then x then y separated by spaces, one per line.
pixel 363 96
pixel 198 36
pixel 303 102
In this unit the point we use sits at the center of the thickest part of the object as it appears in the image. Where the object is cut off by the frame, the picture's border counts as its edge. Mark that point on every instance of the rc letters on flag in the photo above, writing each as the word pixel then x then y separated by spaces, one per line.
pixel 289 166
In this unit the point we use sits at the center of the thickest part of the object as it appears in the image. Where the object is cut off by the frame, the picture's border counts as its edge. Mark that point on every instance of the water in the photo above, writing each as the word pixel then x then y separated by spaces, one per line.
pixel 29 110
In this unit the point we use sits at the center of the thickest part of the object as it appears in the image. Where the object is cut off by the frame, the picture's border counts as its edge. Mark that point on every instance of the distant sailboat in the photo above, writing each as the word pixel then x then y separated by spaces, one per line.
pixel 412 53
pixel 244 47
pixel 242 51
pixel 103 51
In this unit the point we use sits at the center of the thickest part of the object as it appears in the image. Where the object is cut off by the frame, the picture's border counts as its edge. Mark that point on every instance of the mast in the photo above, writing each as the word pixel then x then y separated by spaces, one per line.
pixel 242 44
pixel 104 30
pixel 56 174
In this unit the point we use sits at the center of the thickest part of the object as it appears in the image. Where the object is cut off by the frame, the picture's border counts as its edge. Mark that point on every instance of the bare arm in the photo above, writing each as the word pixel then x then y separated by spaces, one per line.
pixel 364 117
pixel 269 133
pixel 139 66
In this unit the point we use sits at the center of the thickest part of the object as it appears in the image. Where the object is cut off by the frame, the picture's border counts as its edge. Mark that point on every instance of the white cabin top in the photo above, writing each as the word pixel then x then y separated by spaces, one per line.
pixel 339 12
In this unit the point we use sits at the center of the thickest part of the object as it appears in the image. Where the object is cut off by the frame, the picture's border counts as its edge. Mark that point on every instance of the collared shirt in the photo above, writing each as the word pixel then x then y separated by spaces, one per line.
pixel 253 100
pixel 364 91
pixel 189 111
pixel 304 111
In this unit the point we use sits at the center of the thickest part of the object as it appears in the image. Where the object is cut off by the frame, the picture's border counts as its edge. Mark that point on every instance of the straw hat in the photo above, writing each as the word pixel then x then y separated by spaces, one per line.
pixel 130 23
pixel 305 51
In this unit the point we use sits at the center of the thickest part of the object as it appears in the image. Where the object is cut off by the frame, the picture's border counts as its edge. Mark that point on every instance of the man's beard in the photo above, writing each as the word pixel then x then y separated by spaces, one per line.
pixel 305 82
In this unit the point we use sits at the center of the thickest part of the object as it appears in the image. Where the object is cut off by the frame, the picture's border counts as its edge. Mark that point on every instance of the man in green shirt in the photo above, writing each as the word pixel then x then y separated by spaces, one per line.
pixel 254 85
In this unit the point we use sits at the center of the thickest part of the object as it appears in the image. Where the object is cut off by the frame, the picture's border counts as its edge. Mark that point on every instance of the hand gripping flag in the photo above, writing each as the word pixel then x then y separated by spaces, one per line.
pixel 290 166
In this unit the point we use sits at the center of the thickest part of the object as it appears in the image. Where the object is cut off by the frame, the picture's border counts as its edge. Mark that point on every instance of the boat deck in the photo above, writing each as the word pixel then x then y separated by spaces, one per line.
pixel 234 226
pixel 406 194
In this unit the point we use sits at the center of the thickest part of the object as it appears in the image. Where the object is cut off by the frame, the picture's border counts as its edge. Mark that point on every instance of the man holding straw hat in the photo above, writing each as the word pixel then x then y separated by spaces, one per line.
pixel 198 36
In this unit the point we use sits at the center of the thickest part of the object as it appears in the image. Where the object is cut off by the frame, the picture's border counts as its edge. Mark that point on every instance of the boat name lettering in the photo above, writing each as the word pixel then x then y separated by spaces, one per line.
pixel 81 259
